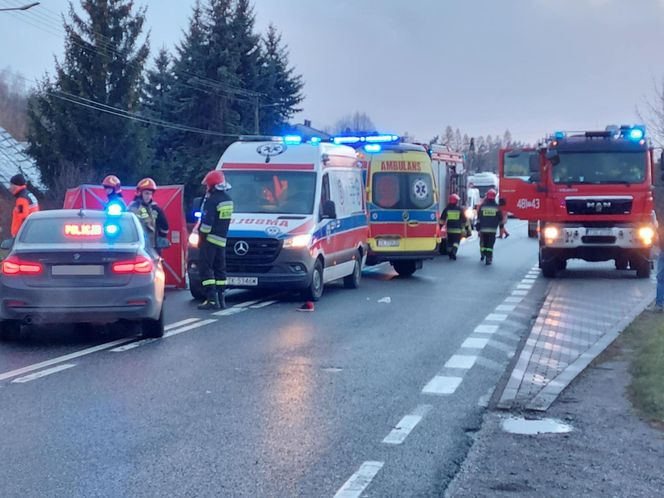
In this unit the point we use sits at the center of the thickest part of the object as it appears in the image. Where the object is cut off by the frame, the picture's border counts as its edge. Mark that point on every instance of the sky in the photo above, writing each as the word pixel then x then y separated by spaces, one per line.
pixel 530 66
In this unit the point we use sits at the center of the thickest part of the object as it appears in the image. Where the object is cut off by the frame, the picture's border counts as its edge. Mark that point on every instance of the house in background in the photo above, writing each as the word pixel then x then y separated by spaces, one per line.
pixel 14 160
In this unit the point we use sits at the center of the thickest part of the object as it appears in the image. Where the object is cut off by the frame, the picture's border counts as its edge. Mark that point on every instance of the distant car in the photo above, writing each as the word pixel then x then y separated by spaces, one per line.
pixel 81 266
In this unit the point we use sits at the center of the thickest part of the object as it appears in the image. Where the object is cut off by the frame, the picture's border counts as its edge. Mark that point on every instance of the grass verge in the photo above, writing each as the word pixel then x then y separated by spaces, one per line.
pixel 645 336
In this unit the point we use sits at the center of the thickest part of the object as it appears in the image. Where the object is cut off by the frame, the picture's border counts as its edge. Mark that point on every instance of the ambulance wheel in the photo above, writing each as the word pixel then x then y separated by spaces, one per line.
pixel 315 289
pixel 352 281
pixel 10 330
pixel 404 268
pixel 153 329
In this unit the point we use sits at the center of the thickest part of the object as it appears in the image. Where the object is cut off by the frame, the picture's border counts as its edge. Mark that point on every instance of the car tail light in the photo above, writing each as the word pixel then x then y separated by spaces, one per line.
pixel 140 265
pixel 15 266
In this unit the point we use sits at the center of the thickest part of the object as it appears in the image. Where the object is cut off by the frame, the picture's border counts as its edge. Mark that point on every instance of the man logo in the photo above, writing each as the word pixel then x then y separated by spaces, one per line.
pixel 77 256
pixel 241 248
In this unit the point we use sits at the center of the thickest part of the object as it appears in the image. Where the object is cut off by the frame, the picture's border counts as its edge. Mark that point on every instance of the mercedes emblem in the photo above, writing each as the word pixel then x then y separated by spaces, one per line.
pixel 241 248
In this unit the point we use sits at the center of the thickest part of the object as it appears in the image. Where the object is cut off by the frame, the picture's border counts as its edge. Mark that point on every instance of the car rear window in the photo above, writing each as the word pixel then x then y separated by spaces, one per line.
pixel 92 231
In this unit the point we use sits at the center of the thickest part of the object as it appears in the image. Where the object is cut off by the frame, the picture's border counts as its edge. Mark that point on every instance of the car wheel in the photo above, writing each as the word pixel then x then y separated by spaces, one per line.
pixel 153 328
pixel 315 289
pixel 10 330
pixel 404 268
pixel 352 281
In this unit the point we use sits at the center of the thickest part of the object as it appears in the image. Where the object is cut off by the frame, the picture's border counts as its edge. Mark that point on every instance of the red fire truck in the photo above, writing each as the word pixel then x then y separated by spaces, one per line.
pixel 591 192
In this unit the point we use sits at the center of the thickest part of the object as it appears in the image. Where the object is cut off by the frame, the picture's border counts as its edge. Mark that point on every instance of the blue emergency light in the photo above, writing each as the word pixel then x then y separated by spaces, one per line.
pixel 635 134
pixel 346 140
pixel 315 140
pixel 114 209
pixel 559 135
pixel 112 229
pixel 372 148
pixel 293 139
pixel 197 214
pixel 369 139
pixel 382 138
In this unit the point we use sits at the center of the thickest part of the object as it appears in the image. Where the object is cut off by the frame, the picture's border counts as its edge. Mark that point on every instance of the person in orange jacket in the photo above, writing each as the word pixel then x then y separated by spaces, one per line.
pixel 25 203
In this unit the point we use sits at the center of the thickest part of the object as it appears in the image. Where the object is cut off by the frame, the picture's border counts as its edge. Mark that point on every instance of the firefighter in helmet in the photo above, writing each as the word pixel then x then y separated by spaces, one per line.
pixel 217 211
pixel 454 219
pixel 152 217
pixel 113 189
pixel 490 218
pixel 25 203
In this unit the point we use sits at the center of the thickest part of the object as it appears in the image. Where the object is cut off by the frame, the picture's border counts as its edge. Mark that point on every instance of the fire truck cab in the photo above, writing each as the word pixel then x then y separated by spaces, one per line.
pixel 591 192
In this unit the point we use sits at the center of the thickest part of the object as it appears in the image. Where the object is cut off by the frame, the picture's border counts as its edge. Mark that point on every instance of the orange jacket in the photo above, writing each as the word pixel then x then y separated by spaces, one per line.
pixel 25 205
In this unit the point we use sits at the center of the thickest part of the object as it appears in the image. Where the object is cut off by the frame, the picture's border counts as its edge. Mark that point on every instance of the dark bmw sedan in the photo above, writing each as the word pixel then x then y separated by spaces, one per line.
pixel 80 266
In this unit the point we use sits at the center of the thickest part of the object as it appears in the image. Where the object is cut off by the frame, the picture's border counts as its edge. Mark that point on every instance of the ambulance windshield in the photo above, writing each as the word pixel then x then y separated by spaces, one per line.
pixel 402 190
pixel 272 191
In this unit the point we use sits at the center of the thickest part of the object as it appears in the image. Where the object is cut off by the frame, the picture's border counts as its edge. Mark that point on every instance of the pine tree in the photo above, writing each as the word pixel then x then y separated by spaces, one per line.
pixel 102 66
pixel 280 84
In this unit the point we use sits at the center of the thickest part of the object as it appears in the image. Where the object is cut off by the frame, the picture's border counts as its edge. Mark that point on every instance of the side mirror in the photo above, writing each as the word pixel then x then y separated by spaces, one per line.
pixel 7 244
pixel 329 210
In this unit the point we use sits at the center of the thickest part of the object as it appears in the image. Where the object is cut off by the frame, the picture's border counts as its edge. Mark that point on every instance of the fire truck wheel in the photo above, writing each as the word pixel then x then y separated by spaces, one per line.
pixel 10 330
pixel 404 268
pixel 549 268
pixel 642 268
pixel 352 281
pixel 315 289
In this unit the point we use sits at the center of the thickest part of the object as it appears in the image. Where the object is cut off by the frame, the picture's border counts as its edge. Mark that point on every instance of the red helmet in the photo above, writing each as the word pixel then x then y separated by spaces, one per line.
pixel 215 178
pixel 146 184
pixel 491 194
pixel 454 199
pixel 112 181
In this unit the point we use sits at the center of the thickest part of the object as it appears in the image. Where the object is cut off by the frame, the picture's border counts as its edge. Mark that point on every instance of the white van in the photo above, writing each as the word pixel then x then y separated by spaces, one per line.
pixel 300 217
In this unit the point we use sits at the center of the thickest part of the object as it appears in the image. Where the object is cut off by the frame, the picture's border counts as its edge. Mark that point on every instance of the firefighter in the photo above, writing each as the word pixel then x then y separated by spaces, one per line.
pixel 490 218
pixel 216 216
pixel 151 215
pixel 25 203
pixel 454 219
pixel 113 189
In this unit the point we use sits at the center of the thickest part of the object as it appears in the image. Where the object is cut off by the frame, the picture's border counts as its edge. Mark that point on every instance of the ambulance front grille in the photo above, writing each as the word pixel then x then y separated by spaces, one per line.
pixel 259 257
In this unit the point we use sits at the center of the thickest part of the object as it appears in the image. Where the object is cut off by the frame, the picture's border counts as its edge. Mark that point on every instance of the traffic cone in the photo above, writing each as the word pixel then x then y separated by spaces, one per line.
pixel 308 306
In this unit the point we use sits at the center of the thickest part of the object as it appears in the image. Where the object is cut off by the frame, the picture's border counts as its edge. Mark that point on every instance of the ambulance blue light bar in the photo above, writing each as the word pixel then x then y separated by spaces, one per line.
pixel 373 148
pixel 315 140
pixel 382 139
pixel 292 139
pixel 346 140
pixel 370 139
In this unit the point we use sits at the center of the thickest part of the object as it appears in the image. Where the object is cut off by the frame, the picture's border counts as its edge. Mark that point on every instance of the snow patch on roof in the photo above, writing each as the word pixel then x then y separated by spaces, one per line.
pixel 14 159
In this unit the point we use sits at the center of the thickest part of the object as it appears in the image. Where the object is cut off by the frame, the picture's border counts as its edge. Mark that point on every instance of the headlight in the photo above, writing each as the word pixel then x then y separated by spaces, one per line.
pixel 646 234
pixel 194 238
pixel 298 241
pixel 551 233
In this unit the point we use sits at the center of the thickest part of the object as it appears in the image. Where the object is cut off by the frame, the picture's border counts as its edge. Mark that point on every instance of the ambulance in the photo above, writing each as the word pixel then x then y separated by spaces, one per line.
pixel 300 218
pixel 402 201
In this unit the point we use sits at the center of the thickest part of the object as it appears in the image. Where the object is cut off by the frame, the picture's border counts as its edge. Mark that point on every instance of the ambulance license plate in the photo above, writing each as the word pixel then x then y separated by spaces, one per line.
pixel 599 232
pixel 388 242
pixel 243 281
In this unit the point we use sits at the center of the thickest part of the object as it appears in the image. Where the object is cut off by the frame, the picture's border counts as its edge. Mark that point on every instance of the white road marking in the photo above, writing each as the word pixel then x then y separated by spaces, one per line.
pixel 180 323
pixel 406 425
pixel 442 385
pixel 505 307
pixel 486 329
pixel 229 311
pixel 62 359
pixel 359 481
pixel 132 345
pixel 190 327
pixel 495 317
pixel 43 373
pixel 246 304
pixel 519 293
pixel 475 343
pixel 461 361
pixel 262 305
pixel 515 300
pixel 524 286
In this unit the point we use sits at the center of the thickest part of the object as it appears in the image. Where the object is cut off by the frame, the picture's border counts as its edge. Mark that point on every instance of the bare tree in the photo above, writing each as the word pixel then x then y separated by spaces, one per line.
pixel 655 118
pixel 13 104
pixel 359 122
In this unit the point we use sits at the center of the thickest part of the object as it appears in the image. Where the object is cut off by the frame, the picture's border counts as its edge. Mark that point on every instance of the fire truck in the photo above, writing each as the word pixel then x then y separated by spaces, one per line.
pixel 591 192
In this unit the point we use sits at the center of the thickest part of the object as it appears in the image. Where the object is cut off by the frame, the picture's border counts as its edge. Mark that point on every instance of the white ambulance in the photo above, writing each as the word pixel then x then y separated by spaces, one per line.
pixel 300 218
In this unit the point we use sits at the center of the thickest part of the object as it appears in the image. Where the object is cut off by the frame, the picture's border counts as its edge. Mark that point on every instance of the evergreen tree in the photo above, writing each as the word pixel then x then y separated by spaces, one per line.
pixel 102 68
pixel 281 86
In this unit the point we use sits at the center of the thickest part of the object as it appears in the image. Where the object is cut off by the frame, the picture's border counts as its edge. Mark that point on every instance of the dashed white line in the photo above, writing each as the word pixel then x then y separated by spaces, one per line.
pixel 524 286
pixel 263 304
pixel 513 299
pixel 359 481
pixel 496 317
pixel 175 325
pixel 519 293
pixel 406 425
pixel 229 311
pixel 475 343
pixel 64 358
pixel 486 329
pixel 171 330
pixel 505 307
pixel 43 373
pixel 442 385
pixel 246 304
pixel 196 325
pixel 461 361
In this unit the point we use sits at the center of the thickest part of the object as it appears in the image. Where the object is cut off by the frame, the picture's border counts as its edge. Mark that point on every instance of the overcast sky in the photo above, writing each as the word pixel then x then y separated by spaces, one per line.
pixel 532 66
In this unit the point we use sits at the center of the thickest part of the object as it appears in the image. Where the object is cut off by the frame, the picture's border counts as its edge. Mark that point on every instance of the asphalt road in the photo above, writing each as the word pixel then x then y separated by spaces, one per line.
pixel 263 401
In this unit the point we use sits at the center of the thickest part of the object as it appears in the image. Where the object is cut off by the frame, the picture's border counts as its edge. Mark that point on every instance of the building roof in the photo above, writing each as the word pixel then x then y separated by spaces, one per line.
pixel 14 160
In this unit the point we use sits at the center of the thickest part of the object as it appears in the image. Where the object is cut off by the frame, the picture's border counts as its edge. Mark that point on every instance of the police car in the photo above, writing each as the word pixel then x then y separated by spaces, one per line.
pixel 81 266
